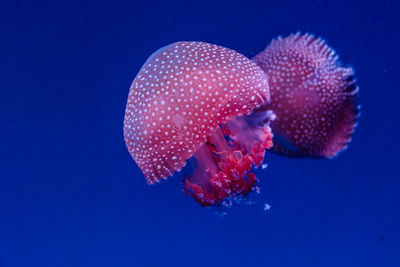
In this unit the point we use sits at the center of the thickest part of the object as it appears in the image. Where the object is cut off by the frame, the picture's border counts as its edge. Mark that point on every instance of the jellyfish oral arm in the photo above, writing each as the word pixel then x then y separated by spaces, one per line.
pixel 222 166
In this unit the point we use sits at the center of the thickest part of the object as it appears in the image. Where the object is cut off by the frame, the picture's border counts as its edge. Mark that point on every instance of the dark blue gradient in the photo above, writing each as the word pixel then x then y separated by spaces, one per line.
pixel 70 194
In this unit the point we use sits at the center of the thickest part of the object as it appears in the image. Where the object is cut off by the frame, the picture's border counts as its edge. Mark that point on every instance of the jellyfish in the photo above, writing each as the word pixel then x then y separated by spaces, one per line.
pixel 312 95
pixel 199 104
pixel 213 111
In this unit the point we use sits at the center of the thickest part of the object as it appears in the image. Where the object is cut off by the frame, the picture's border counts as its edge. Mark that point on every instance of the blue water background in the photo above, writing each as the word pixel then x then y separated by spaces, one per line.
pixel 70 195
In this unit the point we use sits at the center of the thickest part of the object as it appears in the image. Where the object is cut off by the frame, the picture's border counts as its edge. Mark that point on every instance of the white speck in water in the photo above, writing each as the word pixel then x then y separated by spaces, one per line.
pixel 265 165
pixel 266 207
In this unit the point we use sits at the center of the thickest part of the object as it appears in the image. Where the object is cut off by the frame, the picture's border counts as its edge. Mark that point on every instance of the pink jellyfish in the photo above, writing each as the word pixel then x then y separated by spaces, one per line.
pixel 198 101
pixel 312 96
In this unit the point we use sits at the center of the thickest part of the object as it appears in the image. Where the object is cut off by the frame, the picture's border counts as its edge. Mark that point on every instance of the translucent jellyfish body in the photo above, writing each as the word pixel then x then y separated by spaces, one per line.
pixel 199 103
pixel 312 95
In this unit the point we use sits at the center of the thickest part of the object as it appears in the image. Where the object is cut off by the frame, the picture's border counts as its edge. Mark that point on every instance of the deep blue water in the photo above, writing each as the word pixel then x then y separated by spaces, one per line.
pixel 70 194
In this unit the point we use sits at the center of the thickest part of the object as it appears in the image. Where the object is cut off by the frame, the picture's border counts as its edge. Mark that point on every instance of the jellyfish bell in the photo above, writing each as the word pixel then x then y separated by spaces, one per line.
pixel 312 95
pixel 199 103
